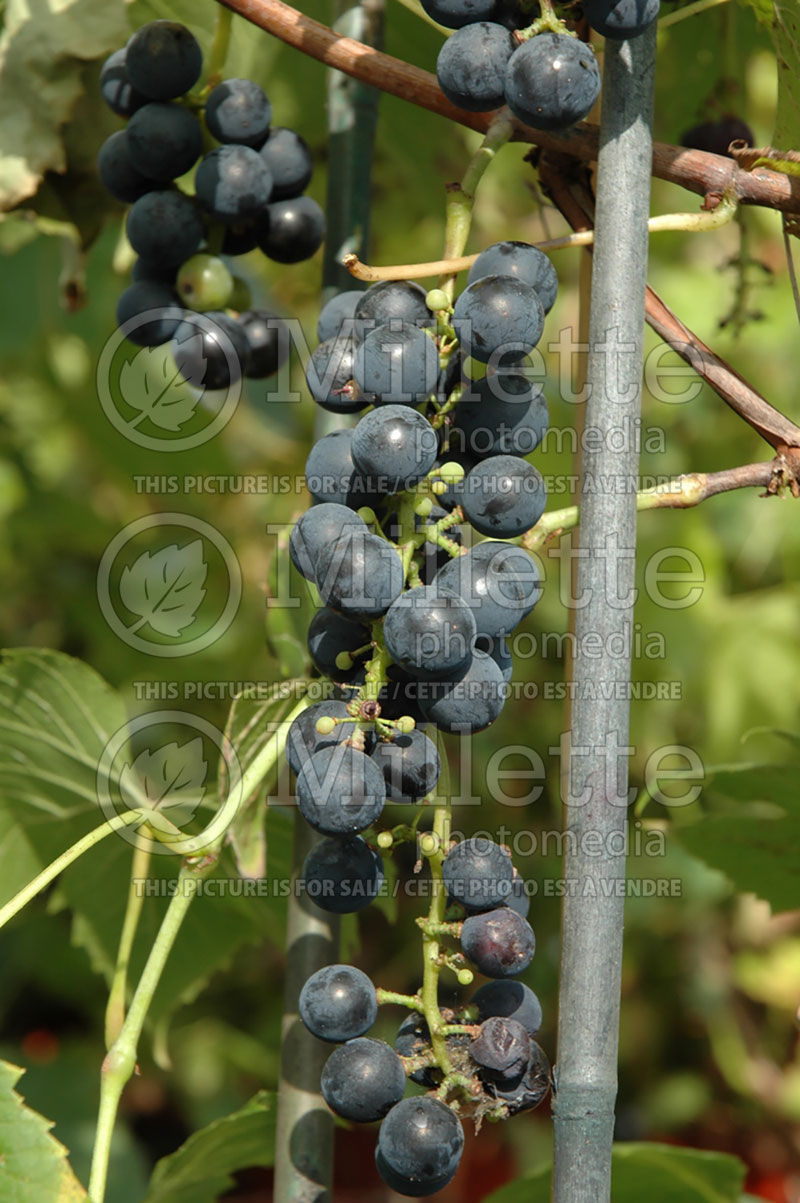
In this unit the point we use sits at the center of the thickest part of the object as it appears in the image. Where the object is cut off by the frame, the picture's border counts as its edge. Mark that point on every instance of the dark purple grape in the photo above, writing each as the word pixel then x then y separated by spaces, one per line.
pixel 552 81
pixel 342 876
pixel 164 140
pixel 502 1049
pixel 620 19
pixel 340 309
pixel 303 739
pixel 210 349
pixel 455 14
pixel 289 160
pixel 340 791
pixel 118 175
pixel 420 1143
pixel 329 635
pixel 389 300
pixel 497 315
pixel 315 530
pixel 331 474
pixel 360 575
pixel 268 342
pixel 510 1000
pixel 714 137
pixel 165 227
pixel 478 873
pixel 159 302
pixel 394 447
pixel 163 60
pixel 362 1080
pixel 338 1003
pixel 521 260
pixel 471 66
pixel 291 230
pixel 468 703
pixel 531 1089
pixel 238 111
pixel 233 184
pixel 329 376
pixel 500 582
pixel 504 496
pixel 410 764
pixel 118 92
pixel 499 943
pixel 429 632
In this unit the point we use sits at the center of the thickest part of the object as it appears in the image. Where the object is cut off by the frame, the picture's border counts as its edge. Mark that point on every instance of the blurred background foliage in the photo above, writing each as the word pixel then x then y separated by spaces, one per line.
pixel 711 977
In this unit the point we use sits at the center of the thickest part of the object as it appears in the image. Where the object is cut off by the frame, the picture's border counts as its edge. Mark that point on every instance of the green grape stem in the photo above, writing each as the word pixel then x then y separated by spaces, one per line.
pixel 461 197
pixel 412 1001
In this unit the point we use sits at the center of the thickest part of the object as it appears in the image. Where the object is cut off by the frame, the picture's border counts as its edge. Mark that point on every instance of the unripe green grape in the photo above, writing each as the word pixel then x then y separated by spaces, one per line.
pixel 473 369
pixel 204 282
pixel 423 507
pixel 429 843
pixel 325 726
pixel 465 977
pixel 344 661
pixel 241 299
pixel 451 473
pixel 437 300
pixel 405 724
pixel 367 515
pixel 385 839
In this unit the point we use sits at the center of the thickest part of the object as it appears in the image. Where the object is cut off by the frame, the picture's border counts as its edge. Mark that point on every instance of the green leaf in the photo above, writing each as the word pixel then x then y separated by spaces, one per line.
pixel 758 850
pixel 656 1172
pixel 251 722
pixel 43 51
pixel 200 1170
pixel 56 716
pixel 33 1164
pixel 786 32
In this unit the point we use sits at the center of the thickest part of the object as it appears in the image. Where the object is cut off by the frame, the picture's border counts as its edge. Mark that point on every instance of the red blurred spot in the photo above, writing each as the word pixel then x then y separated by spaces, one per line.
pixel 40 1046
pixel 774 1187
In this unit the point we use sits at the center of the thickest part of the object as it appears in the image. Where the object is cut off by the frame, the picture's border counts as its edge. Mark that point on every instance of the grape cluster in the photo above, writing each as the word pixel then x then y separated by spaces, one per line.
pixel 407 546
pixel 496 1066
pixel 545 74
pixel 248 193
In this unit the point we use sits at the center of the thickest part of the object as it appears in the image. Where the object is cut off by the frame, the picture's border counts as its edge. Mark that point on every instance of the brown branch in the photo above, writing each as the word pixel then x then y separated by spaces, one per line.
pixel 567 184
pixel 773 426
pixel 681 493
pixel 692 169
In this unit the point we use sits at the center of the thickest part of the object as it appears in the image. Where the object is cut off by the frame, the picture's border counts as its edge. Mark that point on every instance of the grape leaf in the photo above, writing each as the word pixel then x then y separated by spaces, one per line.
pixel 200 1170
pixel 151 384
pixel 56 716
pixel 165 588
pixel 251 722
pixel 33 1164
pixel 43 50
pixel 172 778
pixel 656 1172
pixel 758 851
